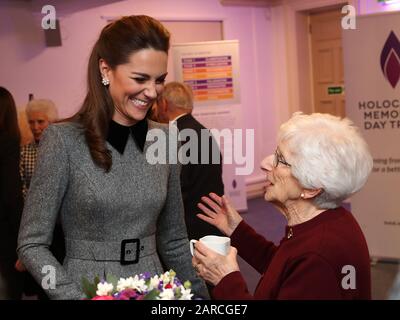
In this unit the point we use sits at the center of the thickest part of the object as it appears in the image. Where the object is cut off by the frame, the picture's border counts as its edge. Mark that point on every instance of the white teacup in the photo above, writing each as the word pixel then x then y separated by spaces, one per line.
pixel 219 244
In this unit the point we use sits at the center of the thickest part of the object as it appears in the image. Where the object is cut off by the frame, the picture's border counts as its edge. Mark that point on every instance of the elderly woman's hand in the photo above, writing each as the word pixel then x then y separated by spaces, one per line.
pixel 211 266
pixel 221 215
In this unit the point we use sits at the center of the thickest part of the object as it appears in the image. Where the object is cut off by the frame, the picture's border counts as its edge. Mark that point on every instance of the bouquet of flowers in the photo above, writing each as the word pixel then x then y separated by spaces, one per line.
pixel 140 287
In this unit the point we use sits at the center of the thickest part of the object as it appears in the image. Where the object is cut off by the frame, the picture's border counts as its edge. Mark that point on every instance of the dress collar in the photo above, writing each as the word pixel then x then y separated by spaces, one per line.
pixel 118 134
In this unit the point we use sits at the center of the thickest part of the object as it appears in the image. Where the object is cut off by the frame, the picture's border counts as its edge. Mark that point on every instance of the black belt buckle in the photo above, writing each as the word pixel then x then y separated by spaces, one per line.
pixel 130 251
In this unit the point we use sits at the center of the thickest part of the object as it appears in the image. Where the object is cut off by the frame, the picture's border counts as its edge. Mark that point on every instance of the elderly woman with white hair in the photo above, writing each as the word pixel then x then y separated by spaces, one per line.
pixel 40 113
pixel 320 161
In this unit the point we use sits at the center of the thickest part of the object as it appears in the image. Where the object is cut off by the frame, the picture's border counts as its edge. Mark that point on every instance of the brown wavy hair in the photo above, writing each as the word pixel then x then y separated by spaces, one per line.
pixel 117 41
pixel 8 115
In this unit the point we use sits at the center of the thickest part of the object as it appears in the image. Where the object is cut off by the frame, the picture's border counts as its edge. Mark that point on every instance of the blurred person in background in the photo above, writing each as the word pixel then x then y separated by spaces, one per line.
pixel 39 113
pixel 10 197
pixel 197 179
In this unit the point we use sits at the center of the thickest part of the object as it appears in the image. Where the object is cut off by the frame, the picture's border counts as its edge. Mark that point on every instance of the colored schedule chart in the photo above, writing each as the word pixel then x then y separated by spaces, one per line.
pixel 210 77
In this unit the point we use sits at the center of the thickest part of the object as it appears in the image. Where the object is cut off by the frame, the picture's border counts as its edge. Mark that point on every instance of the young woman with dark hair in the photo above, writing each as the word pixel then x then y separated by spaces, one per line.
pixel 121 215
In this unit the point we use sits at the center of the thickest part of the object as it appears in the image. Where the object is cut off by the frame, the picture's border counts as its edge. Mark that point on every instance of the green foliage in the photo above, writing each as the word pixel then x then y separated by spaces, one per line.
pixel 89 288
pixel 113 280
pixel 152 295
pixel 187 284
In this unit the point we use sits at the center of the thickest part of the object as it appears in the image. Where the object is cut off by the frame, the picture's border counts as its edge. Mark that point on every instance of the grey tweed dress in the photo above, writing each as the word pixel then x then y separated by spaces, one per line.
pixel 110 220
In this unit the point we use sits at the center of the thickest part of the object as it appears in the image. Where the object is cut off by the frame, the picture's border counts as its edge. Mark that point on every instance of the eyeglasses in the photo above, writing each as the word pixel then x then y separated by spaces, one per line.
pixel 278 158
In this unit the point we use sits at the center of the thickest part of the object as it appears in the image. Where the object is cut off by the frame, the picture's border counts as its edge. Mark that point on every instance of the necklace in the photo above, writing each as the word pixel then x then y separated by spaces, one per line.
pixel 290 233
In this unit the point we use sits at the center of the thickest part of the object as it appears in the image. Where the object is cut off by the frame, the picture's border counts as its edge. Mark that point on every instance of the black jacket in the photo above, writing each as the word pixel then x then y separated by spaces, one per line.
pixel 11 201
pixel 198 180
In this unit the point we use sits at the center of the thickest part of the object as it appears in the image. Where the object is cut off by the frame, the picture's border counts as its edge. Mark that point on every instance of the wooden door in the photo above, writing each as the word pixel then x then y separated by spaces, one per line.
pixel 327 62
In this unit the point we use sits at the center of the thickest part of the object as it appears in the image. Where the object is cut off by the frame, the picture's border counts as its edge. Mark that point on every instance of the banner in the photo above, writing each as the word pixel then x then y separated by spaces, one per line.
pixel 211 69
pixel 372 74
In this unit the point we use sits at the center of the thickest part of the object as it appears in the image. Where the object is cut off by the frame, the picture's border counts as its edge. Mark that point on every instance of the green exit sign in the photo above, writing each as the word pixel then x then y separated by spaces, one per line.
pixel 335 90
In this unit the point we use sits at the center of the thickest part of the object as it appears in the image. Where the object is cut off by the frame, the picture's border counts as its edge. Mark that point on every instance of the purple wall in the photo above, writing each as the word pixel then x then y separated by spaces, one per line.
pixel 58 73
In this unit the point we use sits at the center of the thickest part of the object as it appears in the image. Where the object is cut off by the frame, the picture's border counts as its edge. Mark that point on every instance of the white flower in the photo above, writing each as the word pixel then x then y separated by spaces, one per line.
pixel 104 289
pixel 165 277
pixel 124 283
pixel 154 282
pixel 167 294
pixel 186 295
pixel 131 283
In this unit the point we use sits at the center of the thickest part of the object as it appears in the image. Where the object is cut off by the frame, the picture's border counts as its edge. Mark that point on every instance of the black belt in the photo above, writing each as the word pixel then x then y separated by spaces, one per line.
pixel 126 251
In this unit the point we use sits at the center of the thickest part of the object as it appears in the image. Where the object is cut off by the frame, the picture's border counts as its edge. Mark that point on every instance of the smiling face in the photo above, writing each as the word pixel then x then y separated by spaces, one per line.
pixel 281 186
pixel 135 85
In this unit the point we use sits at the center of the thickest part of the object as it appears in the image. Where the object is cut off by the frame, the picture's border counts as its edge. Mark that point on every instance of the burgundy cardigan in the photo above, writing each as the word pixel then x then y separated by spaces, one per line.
pixel 324 258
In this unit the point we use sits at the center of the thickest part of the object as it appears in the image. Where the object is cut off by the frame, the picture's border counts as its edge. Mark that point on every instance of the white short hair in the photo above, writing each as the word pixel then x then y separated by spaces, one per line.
pixel 326 152
pixel 42 105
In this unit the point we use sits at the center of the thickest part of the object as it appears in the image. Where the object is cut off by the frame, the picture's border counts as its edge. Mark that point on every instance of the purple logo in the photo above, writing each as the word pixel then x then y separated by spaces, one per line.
pixel 390 59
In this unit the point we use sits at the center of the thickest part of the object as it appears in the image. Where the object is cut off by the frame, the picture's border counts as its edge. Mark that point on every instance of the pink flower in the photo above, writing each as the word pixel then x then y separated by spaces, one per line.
pixel 103 298
pixel 127 294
